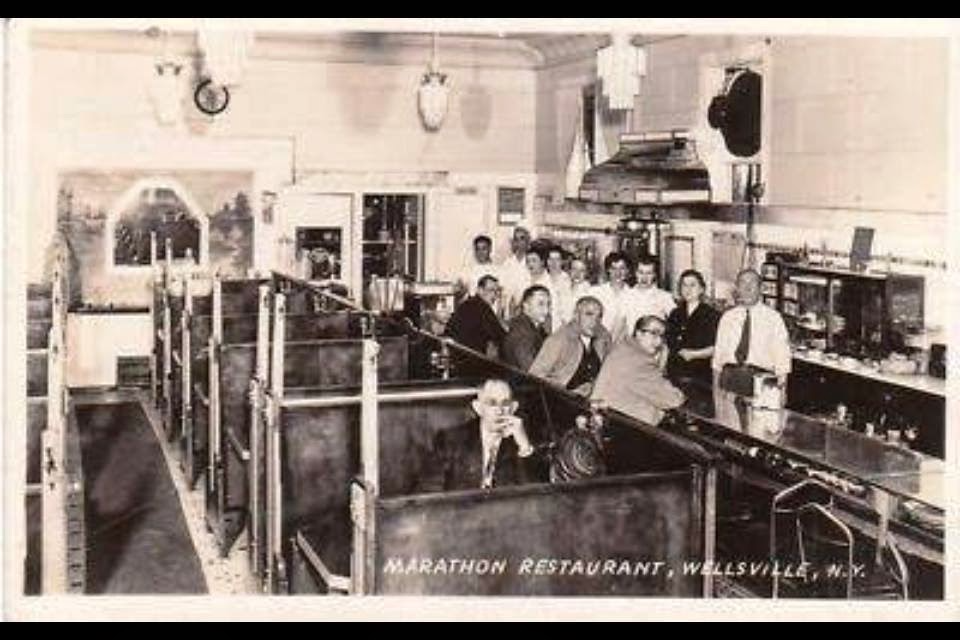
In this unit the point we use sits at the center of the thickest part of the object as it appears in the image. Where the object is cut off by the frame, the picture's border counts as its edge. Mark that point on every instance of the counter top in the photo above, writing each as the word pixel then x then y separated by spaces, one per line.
pixel 897 470
pixel 922 383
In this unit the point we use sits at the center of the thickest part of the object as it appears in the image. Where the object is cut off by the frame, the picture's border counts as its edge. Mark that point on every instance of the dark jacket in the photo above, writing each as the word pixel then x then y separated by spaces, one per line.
pixel 696 331
pixel 456 462
pixel 522 342
pixel 475 325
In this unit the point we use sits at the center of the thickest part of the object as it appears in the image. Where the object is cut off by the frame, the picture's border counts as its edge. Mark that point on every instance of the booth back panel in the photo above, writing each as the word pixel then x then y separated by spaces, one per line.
pixel 36 423
pixel 321 454
pixel 36 373
pixel 237 364
pixel 594 538
pixel 337 363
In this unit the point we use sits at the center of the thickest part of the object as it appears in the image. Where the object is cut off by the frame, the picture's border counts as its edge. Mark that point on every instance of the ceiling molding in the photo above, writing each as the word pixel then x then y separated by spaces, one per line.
pixel 558 49
pixel 342 47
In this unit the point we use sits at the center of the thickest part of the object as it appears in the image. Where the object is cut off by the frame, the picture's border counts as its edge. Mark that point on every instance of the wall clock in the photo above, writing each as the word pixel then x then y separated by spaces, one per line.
pixel 211 98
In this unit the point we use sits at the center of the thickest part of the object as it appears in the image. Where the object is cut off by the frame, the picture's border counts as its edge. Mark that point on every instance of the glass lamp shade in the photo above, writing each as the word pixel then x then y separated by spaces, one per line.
pixel 620 68
pixel 166 93
pixel 432 99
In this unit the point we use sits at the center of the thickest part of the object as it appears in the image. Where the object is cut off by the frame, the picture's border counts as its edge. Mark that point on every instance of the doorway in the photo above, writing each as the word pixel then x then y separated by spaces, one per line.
pixel 392 236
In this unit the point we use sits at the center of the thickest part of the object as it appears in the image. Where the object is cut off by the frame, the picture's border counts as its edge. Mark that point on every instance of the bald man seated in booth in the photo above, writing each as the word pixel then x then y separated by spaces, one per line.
pixel 491 451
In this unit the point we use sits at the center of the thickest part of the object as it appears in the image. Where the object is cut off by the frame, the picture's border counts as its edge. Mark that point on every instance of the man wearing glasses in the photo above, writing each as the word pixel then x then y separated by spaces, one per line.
pixel 491 451
pixel 631 379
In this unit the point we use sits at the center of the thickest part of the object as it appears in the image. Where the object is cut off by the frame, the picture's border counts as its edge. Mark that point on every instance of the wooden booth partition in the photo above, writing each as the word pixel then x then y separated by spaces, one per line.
pixel 235 409
pixel 623 535
pixel 326 364
pixel 320 454
pixel 632 519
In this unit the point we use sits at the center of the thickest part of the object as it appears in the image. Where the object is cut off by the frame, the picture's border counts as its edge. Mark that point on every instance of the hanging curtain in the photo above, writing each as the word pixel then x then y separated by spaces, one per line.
pixel 601 152
pixel 579 160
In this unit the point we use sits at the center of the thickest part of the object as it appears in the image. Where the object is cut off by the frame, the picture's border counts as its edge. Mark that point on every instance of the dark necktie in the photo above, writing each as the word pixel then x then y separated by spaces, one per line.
pixel 743 349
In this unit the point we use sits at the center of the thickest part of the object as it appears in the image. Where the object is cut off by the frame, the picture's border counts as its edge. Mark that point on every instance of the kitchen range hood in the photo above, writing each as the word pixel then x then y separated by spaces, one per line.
pixel 659 168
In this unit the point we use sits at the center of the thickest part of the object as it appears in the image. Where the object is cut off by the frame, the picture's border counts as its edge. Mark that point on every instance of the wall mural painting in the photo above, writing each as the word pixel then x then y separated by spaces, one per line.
pixel 231 238
pixel 160 211
pixel 134 203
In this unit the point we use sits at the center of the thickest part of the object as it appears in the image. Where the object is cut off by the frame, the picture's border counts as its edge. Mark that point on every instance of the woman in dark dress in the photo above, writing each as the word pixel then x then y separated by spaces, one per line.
pixel 691 331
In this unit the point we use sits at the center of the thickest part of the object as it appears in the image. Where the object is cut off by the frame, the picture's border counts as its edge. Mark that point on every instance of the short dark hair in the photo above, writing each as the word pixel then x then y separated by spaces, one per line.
pixel 644 323
pixel 540 253
pixel 533 289
pixel 485 279
pixel 585 300
pixel 555 247
pixel 646 259
pixel 482 238
pixel 696 275
pixel 615 256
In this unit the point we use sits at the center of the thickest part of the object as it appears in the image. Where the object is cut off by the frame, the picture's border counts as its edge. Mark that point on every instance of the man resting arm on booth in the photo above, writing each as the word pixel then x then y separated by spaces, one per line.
pixel 631 379
pixel 492 451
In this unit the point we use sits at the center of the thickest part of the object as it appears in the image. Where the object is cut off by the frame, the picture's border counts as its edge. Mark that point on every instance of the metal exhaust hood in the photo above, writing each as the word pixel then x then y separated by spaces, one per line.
pixel 649 169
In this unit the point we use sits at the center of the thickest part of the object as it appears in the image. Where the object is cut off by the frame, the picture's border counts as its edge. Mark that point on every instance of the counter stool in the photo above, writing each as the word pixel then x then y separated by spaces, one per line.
pixel 783 509
pixel 823 539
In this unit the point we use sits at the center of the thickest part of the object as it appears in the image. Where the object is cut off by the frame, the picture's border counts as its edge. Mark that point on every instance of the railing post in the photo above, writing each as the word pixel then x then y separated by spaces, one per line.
pixel 186 392
pixel 363 499
pixel 276 571
pixel 257 431
pixel 54 545
pixel 709 527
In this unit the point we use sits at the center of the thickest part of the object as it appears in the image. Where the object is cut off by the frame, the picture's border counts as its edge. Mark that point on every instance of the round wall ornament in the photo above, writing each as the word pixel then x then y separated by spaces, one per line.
pixel 211 98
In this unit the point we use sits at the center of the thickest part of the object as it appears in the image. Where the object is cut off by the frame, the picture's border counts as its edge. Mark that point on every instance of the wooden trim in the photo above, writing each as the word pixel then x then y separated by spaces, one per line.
pixel 469 496
pixel 333 581
pixel 381 398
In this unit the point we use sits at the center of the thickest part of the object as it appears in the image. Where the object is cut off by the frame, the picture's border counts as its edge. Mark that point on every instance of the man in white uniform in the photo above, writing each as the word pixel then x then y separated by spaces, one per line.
pixel 513 270
pixel 478 265
pixel 615 295
pixel 649 299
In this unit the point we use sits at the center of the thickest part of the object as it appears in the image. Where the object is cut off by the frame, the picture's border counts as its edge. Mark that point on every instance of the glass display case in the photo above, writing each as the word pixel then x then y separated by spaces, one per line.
pixel 641 235
pixel 863 315
pixel 392 241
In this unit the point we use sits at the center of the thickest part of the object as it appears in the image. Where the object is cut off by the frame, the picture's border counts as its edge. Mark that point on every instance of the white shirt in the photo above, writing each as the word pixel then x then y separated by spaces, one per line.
pixel 474 270
pixel 579 290
pixel 513 278
pixel 769 340
pixel 616 308
pixel 651 301
pixel 561 299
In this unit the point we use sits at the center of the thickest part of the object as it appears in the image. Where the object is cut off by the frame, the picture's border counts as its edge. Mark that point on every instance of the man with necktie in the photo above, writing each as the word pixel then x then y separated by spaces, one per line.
pixel 751 337
pixel 490 451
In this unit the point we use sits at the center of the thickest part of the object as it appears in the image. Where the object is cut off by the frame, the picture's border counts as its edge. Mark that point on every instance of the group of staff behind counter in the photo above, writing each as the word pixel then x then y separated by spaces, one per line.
pixel 623 346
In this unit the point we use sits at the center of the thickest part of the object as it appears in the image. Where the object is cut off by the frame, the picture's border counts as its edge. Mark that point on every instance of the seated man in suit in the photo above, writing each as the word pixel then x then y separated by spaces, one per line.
pixel 527 330
pixel 491 452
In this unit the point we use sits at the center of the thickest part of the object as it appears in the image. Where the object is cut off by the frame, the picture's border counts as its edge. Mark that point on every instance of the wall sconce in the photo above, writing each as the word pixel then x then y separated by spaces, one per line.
pixel 434 93
pixel 165 91
pixel 620 67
